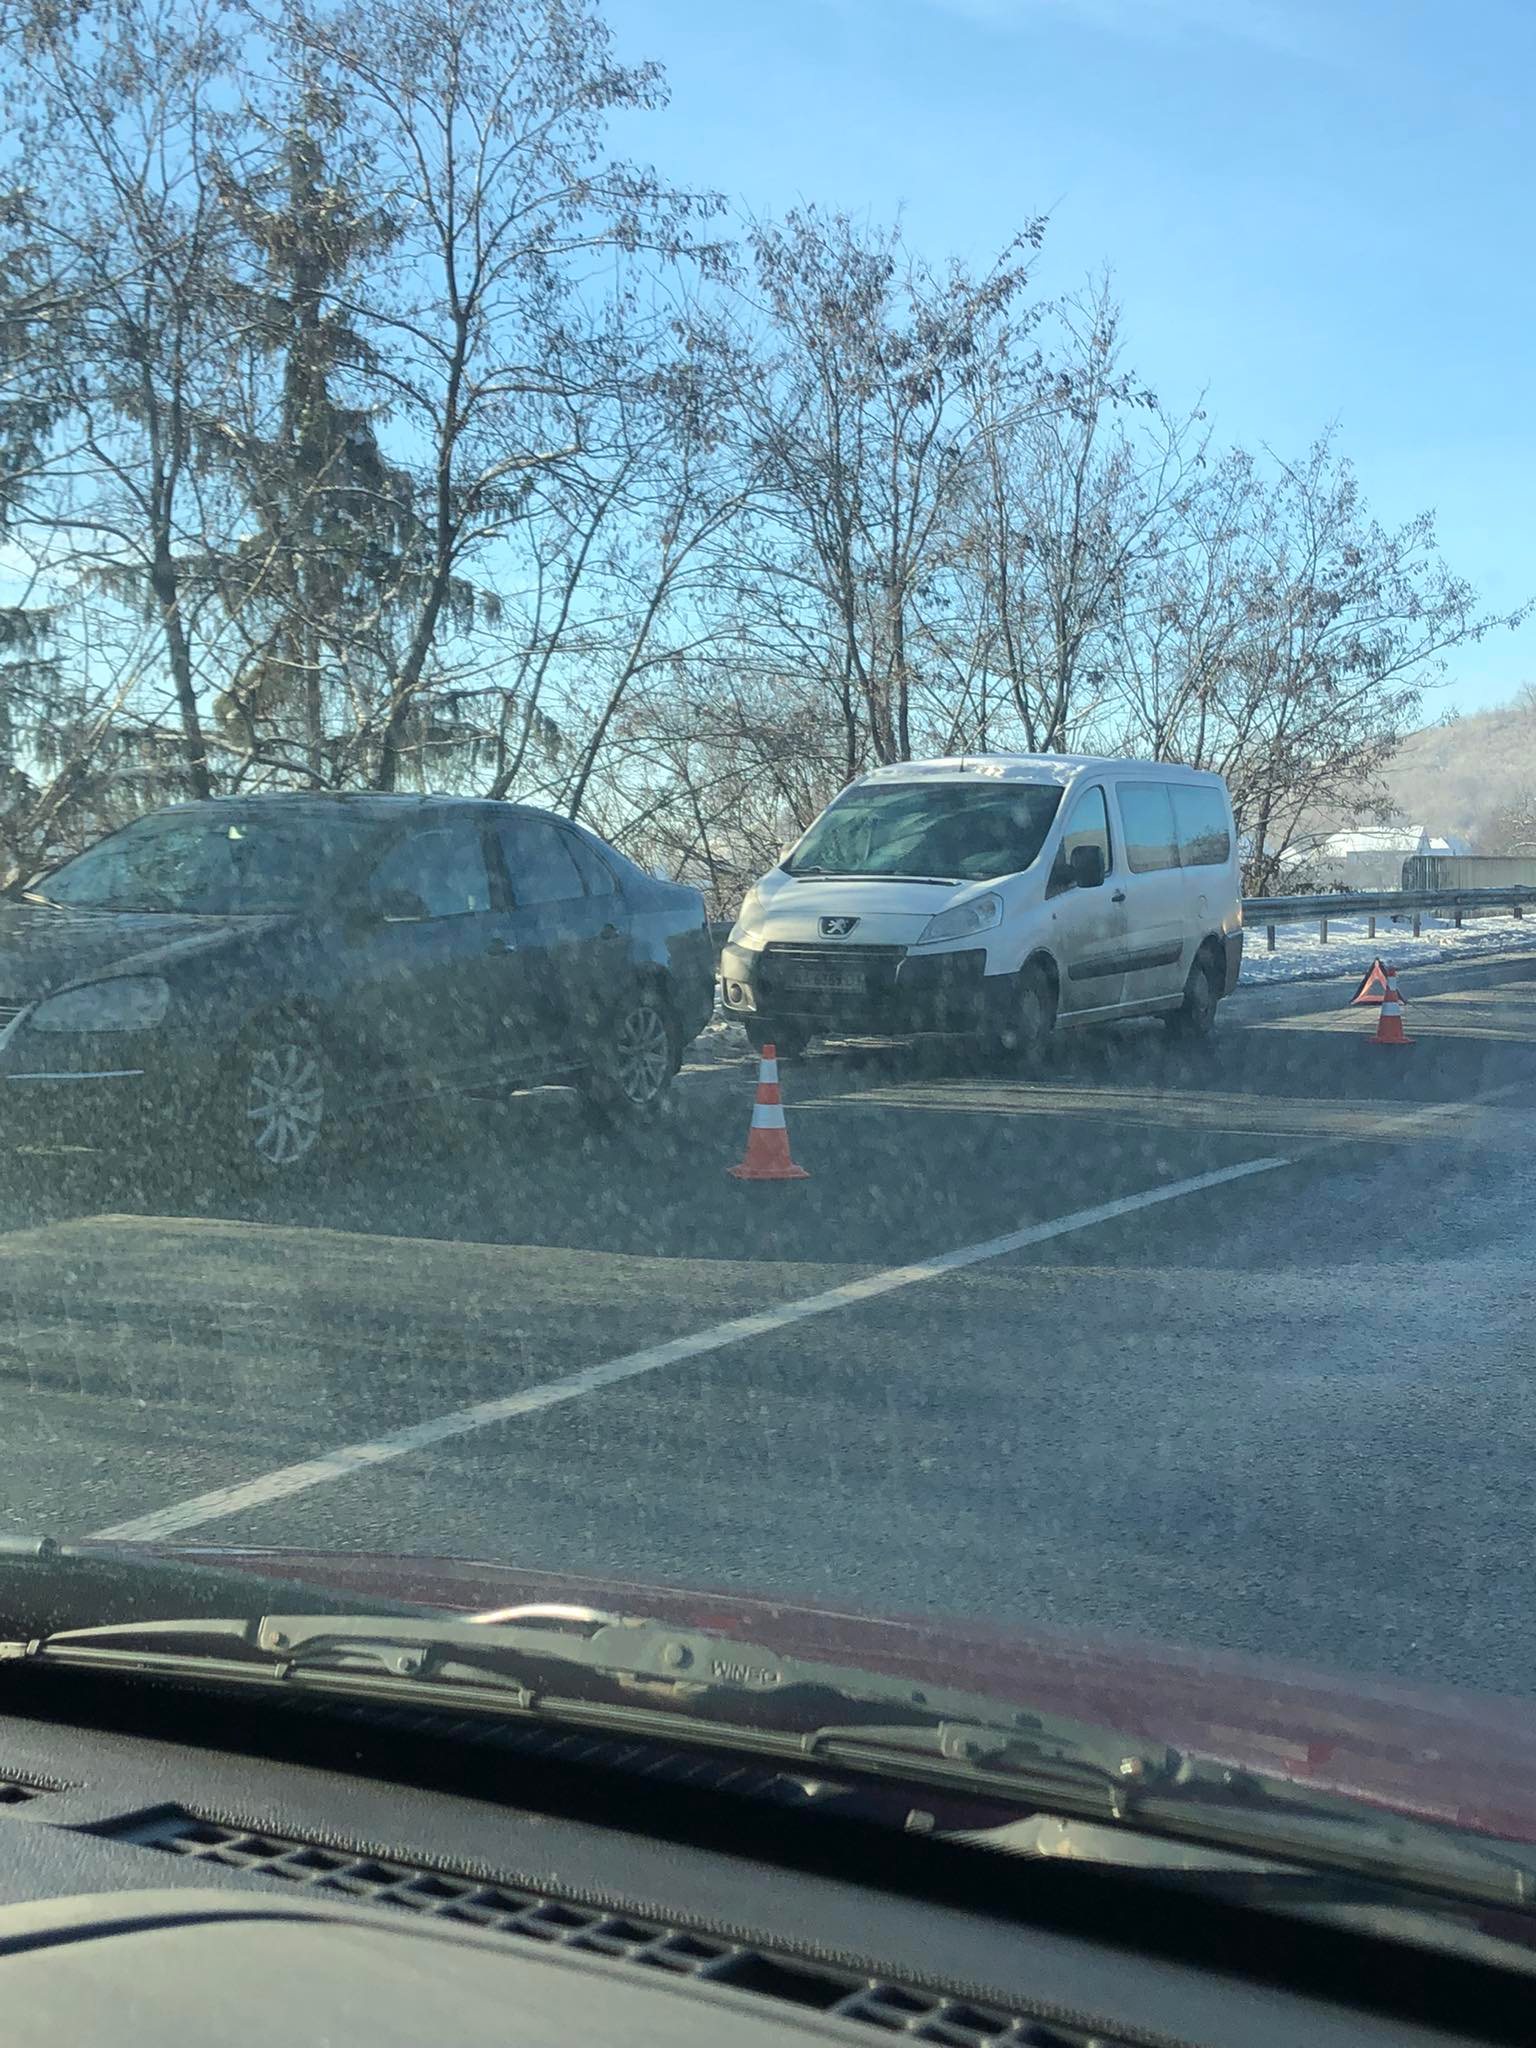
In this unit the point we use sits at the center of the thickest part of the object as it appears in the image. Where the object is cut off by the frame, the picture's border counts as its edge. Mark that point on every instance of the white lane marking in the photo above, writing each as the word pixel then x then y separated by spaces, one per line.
pixel 341 1464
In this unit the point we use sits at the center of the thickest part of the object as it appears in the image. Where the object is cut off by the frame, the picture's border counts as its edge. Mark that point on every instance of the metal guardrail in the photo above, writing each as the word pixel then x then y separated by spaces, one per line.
pixel 1371 904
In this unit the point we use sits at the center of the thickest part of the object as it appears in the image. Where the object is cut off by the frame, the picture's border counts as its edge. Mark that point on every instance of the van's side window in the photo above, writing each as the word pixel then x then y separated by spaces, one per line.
pixel 1087 826
pixel 1205 837
pixel 1146 812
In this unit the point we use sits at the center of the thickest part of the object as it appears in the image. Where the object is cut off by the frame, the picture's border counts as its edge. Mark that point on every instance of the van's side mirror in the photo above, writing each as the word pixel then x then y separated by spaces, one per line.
pixel 1087 865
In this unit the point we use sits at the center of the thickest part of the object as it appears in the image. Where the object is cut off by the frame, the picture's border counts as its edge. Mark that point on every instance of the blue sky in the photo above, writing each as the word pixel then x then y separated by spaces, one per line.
pixel 1312 211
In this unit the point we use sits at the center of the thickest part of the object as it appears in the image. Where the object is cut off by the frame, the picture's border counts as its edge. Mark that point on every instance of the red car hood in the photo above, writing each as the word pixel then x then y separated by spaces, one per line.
pixel 1439 1755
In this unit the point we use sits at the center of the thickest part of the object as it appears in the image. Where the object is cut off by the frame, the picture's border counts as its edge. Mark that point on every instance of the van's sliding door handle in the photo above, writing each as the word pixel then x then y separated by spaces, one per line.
pixel 1118 897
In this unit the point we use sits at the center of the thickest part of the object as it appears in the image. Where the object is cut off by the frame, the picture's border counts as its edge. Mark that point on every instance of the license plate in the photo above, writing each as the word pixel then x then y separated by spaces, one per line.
pixel 840 980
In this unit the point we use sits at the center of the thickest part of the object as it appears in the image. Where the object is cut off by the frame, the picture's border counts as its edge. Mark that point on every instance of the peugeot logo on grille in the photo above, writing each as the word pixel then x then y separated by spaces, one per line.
pixel 837 927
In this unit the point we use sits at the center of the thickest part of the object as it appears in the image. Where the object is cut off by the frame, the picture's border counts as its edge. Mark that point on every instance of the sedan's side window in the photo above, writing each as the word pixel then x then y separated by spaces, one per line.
pixel 539 864
pixel 1087 826
pixel 444 869
pixel 595 871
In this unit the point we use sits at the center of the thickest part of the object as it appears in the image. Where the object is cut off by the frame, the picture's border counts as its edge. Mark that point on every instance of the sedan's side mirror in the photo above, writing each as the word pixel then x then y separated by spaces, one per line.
pixel 1087 865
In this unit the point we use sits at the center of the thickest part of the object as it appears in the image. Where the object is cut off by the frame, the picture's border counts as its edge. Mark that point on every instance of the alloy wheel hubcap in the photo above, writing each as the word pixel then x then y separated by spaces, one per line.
pixel 285 1103
pixel 643 1054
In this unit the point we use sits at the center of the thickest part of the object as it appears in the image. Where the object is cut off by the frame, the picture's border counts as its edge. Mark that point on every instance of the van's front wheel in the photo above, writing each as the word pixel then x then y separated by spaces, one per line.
pixel 1031 1017
pixel 787 1040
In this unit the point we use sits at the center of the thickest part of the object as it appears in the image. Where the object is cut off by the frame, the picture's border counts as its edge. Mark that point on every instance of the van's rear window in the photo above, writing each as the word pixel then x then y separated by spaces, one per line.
pixel 931 831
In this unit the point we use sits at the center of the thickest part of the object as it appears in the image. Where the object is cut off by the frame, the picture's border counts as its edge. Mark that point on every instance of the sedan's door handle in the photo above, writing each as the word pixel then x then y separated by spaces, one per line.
pixel 610 931
pixel 501 946
pixel 1118 897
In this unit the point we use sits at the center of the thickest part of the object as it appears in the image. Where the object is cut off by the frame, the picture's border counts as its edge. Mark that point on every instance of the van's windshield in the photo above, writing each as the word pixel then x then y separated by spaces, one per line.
pixel 930 831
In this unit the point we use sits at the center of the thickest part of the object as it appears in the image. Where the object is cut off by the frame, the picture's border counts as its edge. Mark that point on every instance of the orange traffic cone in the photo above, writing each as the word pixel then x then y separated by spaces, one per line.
pixel 767 1156
pixel 1389 1025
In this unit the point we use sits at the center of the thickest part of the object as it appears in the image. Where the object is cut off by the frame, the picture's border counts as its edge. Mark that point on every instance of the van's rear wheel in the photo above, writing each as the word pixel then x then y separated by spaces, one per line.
pixel 1195 1019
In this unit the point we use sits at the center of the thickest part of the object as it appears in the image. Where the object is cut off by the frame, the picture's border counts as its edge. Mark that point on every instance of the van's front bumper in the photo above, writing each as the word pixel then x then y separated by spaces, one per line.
pixel 864 988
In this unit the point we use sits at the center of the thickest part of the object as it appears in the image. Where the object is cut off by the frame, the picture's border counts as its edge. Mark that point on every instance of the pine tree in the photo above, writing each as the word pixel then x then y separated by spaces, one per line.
pixel 328 550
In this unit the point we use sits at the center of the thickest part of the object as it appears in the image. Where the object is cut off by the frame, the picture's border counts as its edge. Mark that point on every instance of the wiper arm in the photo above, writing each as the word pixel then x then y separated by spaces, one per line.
pixel 646 1677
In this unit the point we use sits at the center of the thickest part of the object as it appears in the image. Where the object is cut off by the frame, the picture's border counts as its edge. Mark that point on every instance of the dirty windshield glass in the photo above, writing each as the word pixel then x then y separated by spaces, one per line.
pixel 966 832
pixel 768 826
pixel 213 863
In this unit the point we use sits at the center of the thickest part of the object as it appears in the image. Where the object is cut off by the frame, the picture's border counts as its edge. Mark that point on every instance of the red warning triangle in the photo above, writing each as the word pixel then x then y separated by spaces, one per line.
pixel 1374 987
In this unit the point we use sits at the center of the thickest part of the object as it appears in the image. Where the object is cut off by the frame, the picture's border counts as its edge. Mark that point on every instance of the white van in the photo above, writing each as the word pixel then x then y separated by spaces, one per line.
pixel 996 894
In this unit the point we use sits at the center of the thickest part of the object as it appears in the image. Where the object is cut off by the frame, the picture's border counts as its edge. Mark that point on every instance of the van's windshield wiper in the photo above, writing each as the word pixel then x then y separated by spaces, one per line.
pixel 579 1667
pixel 874 875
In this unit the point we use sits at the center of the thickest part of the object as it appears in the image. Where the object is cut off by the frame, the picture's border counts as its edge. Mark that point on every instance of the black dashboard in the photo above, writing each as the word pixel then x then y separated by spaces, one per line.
pixel 179 1867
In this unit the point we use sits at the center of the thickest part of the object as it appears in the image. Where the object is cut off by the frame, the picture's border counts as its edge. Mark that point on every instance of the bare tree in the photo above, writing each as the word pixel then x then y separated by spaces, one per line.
pixel 1290 645
pixel 865 426
pixel 1066 505
pixel 486 120
pixel 113 107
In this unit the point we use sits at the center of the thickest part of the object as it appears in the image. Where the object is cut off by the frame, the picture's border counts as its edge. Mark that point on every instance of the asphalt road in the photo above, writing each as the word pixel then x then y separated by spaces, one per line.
pixel 1287 1410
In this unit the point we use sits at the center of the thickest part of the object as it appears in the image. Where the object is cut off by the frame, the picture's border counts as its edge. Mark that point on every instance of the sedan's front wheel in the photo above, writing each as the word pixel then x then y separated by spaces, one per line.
pixel 630 1080
pixel 278 1106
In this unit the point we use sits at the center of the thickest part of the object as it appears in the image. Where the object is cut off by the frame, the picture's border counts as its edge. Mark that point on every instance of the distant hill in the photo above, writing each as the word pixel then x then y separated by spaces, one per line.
pixel 1457 778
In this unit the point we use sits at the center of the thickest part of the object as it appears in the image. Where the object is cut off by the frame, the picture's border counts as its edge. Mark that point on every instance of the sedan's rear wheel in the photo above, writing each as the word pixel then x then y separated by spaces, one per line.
pixel 631 1076
pixel 278 1105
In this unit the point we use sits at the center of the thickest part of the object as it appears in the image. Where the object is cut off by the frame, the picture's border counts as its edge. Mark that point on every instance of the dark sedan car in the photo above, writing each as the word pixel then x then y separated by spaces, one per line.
pixel 252 975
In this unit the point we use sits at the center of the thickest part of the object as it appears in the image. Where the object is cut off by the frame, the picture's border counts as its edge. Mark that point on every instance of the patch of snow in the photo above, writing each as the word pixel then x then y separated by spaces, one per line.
pixel 1298 955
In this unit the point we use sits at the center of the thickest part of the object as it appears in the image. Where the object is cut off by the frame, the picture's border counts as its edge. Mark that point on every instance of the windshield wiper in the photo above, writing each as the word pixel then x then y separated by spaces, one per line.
pixel 643 1675
pixel 875 875
pixel 646 1677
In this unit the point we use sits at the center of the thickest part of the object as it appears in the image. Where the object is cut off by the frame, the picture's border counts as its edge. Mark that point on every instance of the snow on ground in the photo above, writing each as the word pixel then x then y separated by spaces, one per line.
pixel 1298 956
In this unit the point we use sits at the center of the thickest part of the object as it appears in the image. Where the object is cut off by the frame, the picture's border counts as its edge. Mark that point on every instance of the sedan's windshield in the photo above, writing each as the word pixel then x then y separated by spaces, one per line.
pixel 213 863
pixel 952 831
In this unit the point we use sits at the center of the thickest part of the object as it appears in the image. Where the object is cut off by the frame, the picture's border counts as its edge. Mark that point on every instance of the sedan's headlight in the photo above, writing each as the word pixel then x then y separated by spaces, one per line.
pixel 979 915
pixel 134 1002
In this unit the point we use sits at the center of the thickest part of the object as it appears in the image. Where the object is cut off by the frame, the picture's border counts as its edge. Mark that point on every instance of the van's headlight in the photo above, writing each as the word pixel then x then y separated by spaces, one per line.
pixel 133 1002
pixel 744 930
pixel 979 915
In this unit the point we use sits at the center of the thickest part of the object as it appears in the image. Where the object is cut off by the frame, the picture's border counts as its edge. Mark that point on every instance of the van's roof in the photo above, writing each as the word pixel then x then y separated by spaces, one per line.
pixel 1061 768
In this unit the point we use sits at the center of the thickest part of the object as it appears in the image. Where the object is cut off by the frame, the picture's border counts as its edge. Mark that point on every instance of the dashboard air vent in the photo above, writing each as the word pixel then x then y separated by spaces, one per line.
pixel 899 2009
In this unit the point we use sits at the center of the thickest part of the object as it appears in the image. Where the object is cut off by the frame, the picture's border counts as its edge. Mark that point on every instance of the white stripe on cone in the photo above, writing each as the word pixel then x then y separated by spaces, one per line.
pixel 768 1116
pixel 767 1070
